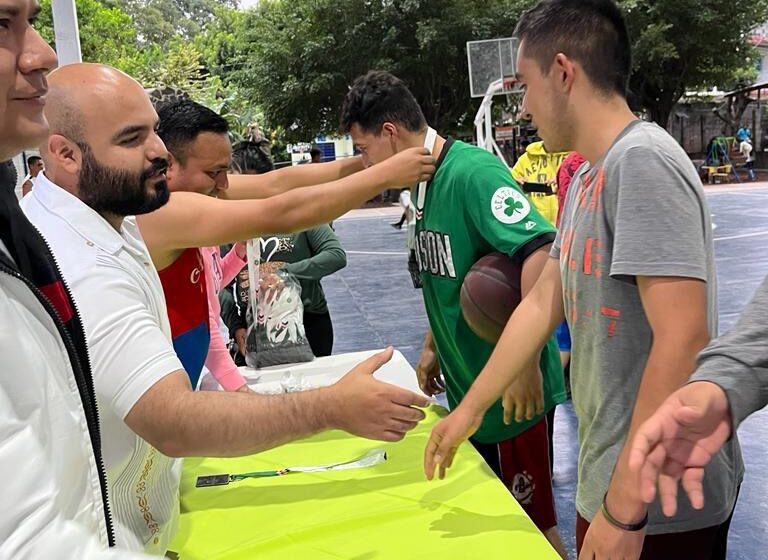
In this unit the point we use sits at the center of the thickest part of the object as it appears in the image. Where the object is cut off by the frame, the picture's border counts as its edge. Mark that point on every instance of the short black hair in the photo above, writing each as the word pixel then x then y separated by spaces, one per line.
pixel 591 32
pixel 315 152
pixel 379 97
pixel 182 121
pixel 250 157
pixel 32 160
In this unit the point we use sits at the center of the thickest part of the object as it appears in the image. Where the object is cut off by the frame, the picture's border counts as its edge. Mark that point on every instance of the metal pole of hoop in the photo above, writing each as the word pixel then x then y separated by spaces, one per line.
pixel 484 116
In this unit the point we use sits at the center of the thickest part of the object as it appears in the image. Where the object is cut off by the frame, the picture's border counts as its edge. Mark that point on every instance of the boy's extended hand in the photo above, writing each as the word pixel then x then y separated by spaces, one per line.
pixel 446 437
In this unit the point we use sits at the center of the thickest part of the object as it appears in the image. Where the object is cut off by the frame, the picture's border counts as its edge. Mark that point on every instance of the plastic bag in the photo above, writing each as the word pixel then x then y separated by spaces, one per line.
pixel 276 325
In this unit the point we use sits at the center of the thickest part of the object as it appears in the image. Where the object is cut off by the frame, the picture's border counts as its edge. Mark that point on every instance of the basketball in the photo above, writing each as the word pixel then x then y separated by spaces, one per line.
pixel 489 294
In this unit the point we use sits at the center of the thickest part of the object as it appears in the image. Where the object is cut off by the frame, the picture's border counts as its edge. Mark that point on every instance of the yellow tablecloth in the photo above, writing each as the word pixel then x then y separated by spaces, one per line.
pixel 389 511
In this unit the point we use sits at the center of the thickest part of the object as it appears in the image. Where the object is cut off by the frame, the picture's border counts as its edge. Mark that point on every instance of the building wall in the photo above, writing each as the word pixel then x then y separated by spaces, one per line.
pixel 694 124
pixel 343 148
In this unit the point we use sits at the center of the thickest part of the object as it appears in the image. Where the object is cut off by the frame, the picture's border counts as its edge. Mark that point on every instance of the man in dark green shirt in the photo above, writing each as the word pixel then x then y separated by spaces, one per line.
pixel 472 207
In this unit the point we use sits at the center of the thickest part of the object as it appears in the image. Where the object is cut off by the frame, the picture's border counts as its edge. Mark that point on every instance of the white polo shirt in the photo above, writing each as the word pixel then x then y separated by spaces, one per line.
pixel 120 299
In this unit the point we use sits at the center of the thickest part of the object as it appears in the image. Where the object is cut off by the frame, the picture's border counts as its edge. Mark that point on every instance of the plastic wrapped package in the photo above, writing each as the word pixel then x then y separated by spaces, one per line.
pixel 276 330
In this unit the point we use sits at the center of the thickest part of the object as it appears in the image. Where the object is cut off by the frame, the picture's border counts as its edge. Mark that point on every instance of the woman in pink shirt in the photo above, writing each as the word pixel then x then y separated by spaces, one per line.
pixel 219 272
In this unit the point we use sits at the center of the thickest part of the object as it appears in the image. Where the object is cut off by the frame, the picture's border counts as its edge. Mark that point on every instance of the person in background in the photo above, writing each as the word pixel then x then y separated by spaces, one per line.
pixel 310 256
pixel 746 150
pixel 251 157
pixel 234 306
pixel 35 165
pixel 536 173
pixel 316 155
pixel 565 175
pixel 405 202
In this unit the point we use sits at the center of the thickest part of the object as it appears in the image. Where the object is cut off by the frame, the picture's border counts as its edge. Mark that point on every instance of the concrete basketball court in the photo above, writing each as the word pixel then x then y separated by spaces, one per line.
pixel 373 304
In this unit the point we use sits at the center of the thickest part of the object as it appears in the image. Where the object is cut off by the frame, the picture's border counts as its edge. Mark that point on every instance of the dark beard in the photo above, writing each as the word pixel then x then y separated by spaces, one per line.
pixel 118 191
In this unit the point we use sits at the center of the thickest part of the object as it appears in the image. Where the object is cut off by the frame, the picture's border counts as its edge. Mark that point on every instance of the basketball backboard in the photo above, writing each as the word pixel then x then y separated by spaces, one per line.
pixel 491 60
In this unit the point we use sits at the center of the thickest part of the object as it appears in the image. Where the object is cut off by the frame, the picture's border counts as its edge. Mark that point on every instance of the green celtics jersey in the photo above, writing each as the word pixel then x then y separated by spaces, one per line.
pixel 472 208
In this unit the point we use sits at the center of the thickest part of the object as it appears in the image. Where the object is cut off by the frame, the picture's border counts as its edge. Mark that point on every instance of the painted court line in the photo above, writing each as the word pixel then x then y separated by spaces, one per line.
pixel 743 235
pixel 382 253
pixel 394 254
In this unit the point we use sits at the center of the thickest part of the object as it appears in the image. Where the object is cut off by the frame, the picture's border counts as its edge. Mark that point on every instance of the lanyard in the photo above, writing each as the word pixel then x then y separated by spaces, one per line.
pixel 429 143
pixel 370 459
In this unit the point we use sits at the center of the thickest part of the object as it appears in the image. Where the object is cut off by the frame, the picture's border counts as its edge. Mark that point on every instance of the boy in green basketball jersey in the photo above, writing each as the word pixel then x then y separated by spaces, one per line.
pixel 472 207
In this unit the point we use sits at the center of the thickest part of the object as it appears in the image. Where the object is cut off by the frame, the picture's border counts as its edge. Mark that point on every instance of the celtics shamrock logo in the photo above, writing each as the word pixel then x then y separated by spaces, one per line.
pixel 509 206
pixel 513 206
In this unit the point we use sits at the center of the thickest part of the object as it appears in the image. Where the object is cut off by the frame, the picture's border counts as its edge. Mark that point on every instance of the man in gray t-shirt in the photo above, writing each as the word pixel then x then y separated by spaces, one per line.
pixel 632 272
pixel 638 212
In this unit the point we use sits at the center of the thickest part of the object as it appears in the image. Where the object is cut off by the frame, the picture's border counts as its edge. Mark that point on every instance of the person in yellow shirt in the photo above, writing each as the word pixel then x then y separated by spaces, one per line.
pixel 536 173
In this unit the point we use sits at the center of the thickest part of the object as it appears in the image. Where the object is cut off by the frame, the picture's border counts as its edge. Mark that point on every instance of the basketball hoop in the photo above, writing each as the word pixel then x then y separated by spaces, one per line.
pixel 508 84
pixel 511 88
pixel 488 61
pixel 492 72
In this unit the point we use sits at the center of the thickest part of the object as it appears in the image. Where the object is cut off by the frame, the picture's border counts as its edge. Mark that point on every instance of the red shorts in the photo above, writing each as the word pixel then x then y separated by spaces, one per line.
pixel 522 464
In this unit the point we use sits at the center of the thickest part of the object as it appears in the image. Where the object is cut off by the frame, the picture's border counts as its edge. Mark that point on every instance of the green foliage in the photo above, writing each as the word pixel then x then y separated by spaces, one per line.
pixel 160 21
pixel 107 34
pixel 219 42
pixel 682 45
pixel 296 59
pixel 287 63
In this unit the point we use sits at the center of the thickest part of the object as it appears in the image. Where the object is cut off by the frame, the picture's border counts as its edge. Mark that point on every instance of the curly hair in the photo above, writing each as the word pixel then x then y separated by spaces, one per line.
pixel 379 97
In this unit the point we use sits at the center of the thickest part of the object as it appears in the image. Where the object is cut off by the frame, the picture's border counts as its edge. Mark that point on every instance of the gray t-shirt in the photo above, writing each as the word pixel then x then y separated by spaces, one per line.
pixel 640 211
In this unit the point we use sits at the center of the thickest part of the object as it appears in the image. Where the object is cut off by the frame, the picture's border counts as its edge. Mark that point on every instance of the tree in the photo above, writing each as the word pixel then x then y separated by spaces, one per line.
pixel 160 21
pixel 296 59
pixel 107 34
pixel 682 45
pixel 731 111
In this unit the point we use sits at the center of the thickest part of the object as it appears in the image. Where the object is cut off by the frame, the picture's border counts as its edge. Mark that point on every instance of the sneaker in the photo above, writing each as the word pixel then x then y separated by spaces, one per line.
pixel 396 225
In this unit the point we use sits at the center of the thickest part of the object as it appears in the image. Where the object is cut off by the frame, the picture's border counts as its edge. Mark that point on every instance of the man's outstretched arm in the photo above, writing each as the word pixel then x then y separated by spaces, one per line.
pixel 233 424
pixel 293 177
pixel 193 220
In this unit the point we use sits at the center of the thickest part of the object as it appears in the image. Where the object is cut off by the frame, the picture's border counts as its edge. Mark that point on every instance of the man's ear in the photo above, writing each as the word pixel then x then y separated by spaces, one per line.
pixel 64 154
pixel 391 130
pixel 565 69
pixel 173 166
